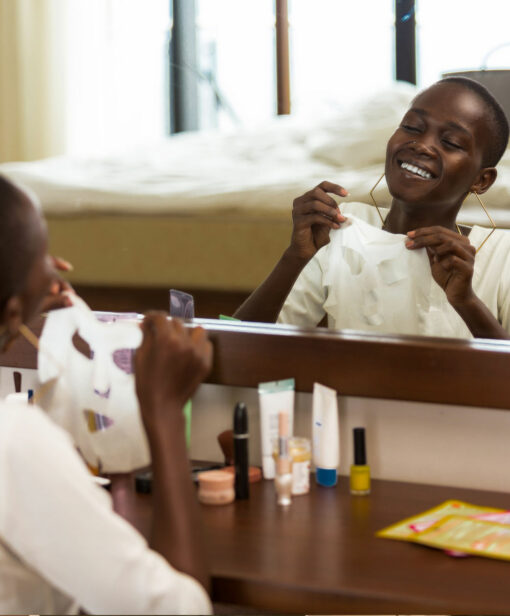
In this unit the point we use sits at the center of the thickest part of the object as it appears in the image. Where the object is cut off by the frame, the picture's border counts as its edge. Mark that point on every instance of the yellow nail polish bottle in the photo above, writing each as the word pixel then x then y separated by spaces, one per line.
pixel 360 471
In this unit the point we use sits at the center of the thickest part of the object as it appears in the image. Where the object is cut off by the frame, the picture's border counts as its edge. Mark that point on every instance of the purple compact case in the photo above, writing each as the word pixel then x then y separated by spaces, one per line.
pixel 182 305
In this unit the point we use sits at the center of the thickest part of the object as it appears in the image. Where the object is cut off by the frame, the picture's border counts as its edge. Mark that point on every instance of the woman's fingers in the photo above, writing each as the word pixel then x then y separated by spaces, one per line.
pixel 308 221
pixel 314 214
pixel 62 264
pixel 440 241
pixel 318 207
pixel 441 251
pixel 321 191
pixel 330 187
pixel 457 264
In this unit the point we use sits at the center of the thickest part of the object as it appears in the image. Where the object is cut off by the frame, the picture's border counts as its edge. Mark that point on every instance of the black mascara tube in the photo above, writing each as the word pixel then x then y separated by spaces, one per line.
pixel 242 486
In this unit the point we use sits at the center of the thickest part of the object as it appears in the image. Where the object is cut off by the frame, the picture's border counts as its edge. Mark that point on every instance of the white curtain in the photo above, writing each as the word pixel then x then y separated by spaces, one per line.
pixel 80 76
pixel 32 79
pixel 116 52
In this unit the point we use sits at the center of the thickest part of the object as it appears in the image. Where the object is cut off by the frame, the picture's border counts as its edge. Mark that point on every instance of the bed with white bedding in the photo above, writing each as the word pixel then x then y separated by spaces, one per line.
pixel 212 210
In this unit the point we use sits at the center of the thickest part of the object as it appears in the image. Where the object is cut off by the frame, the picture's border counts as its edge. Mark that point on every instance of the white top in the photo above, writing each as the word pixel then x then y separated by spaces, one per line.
pixel 365 279
pixel 61 545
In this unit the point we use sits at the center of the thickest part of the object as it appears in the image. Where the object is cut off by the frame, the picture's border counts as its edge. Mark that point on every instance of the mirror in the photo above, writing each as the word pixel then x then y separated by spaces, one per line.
pixel 205 212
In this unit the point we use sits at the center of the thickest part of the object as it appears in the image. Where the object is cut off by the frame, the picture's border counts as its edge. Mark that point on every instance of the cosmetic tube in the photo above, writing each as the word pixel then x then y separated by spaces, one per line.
pixel 325 432
pixel 283 479
pixel 242 485
pixel 274 397
pixel 360 471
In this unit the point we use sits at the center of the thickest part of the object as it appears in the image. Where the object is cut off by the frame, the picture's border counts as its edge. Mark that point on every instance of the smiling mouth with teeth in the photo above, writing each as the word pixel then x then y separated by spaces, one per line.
pixel 416 170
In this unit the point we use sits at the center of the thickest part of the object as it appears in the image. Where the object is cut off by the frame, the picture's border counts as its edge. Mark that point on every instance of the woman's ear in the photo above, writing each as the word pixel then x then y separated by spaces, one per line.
pixel 484 180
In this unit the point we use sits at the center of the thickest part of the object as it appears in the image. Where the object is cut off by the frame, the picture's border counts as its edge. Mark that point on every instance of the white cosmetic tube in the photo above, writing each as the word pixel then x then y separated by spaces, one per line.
pixel 274 397
pixel 326 435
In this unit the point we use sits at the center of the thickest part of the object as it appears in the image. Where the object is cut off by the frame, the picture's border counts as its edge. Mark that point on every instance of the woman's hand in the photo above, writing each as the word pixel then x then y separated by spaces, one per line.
pixel 314 214
pixel 58 295
pixel 452 260
pixel 169 365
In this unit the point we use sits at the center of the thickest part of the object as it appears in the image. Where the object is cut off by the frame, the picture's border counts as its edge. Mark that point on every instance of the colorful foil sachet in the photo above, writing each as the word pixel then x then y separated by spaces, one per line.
pixel 458 528
pixel 407 529
pixel 468 535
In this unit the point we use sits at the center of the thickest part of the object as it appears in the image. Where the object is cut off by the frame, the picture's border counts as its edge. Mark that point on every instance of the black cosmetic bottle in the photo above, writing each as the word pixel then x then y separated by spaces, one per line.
pixel 242 486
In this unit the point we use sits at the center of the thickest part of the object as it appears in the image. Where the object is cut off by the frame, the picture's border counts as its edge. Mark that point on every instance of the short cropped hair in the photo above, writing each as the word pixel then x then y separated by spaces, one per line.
pixel 498 122
pixel 17 250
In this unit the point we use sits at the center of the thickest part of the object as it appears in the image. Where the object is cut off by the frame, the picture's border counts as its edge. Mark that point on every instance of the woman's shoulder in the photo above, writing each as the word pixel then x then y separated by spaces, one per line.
pixel 24 426
pixel 488 240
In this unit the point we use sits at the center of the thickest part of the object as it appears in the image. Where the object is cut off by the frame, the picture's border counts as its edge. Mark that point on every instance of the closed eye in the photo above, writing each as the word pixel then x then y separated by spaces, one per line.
pixel 451 144
pixel 411 129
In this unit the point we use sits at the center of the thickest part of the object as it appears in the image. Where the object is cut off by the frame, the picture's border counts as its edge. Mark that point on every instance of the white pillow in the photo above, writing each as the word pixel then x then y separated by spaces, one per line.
pixel 357 137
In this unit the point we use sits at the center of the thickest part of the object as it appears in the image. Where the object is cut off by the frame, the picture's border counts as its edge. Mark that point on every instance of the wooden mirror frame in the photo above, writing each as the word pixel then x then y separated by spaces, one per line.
pixel 438 370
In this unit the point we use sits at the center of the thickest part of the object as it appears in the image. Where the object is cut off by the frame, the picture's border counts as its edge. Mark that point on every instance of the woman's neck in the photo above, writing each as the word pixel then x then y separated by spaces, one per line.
pixel 403 217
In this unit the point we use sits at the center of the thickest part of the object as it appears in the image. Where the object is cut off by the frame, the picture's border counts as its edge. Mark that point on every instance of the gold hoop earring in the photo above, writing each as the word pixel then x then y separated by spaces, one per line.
pixel 24 331
pixel 493 224
pixel 374 202
pixel 29 336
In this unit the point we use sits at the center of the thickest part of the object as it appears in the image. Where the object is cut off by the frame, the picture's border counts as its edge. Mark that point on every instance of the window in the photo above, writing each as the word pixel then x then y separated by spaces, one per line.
pixel 235 40
pixel 459 35
pixel 116 73
pixel 340 50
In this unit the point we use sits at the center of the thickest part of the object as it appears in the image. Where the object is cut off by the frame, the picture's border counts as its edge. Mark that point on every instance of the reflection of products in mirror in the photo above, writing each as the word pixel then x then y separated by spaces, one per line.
pixel 360 471
pixel 96 421
pixel 182 304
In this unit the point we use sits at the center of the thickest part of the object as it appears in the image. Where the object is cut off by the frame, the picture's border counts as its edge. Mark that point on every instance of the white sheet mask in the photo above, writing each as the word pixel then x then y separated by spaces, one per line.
pixel 377 284
pixel 94 399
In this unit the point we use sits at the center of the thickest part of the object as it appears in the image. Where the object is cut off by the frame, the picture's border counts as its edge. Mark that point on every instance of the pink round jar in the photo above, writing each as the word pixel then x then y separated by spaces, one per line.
pixel 216 488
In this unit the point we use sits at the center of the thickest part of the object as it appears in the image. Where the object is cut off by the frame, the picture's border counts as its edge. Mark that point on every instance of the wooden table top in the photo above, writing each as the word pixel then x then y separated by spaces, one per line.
pixel 320 555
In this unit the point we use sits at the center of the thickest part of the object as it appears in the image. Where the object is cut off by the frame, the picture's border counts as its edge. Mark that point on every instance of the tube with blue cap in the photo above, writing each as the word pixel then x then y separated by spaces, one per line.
pixel 325 432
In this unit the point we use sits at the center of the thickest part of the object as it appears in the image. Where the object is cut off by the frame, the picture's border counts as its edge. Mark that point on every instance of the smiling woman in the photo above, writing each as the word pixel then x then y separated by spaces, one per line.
pixel 418 274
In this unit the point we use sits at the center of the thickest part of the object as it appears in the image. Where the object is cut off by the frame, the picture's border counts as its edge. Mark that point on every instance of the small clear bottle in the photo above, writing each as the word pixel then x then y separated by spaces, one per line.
pixel 301 455
pixel 283 481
